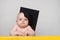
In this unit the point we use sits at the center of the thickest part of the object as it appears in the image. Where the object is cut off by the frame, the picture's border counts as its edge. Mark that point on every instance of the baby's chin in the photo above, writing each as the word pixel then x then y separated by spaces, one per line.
pixel 23 26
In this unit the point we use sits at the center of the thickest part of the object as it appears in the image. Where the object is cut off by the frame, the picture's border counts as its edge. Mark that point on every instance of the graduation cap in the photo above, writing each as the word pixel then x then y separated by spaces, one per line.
pixel 32 16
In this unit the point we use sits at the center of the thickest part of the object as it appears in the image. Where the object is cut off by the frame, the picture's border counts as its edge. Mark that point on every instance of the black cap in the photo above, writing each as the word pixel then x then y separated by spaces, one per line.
pixel 32 16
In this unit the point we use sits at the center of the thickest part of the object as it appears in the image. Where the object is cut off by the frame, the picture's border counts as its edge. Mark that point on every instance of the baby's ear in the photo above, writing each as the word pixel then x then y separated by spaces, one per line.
pixel 16 20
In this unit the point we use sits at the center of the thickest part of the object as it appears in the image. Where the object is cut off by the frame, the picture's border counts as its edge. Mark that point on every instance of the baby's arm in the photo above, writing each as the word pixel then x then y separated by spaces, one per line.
pixel 14 32
pixel 31 32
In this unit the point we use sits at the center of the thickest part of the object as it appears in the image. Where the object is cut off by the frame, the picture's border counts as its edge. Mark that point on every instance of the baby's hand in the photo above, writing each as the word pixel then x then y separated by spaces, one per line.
pixel 20 34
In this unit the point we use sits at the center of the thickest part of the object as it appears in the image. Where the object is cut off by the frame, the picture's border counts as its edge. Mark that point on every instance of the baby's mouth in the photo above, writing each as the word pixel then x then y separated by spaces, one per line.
pixel 23 23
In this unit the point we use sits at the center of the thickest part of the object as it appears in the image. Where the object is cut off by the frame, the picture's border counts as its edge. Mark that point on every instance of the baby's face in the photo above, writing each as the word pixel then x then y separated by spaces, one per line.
pixel 22 21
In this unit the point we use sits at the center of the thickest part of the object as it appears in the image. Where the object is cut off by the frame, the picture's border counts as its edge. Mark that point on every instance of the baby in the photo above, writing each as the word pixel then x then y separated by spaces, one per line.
pixel 22 27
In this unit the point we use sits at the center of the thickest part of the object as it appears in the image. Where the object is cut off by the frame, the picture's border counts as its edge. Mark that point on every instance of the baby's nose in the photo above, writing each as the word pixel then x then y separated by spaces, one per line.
pixel 23 21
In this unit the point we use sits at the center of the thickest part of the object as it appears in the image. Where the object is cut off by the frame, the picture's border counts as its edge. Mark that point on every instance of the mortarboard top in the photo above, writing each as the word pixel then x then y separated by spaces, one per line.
pixel 32 16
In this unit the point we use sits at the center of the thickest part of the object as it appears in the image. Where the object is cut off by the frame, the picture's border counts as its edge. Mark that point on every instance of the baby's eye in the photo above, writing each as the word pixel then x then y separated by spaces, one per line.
pixel 20 19
pixel 25 19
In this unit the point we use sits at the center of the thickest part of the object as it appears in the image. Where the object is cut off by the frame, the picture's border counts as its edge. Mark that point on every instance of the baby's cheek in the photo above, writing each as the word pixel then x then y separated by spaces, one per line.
pixel 26 23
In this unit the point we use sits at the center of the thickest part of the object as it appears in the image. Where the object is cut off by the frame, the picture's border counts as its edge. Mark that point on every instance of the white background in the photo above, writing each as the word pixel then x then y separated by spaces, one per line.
pixel 48 19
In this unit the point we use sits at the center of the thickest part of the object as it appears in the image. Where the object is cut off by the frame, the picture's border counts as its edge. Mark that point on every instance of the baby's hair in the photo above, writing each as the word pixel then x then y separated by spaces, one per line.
pixel 18 15
pixel 26 15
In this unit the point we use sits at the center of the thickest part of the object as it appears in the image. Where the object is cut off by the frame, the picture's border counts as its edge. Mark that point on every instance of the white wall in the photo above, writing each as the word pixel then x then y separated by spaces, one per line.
pixel 48 19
